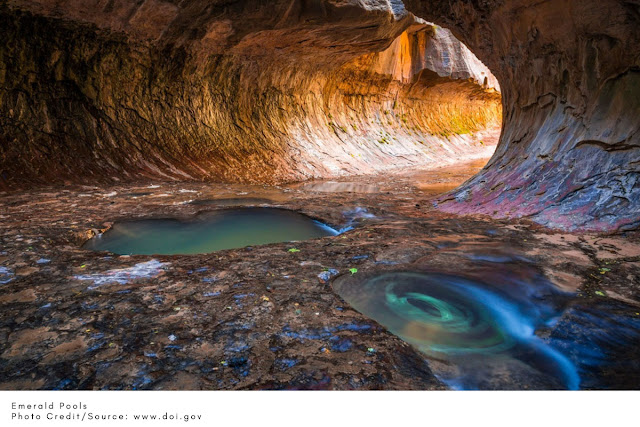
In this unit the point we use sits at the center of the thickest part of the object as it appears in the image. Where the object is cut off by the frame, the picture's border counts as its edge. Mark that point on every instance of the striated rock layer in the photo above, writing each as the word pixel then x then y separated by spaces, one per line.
pixel 569 70
pixel 270 91
pixel 240 91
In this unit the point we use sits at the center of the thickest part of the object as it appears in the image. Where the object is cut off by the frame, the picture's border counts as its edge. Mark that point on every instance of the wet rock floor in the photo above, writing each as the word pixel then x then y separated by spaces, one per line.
pixel 263 317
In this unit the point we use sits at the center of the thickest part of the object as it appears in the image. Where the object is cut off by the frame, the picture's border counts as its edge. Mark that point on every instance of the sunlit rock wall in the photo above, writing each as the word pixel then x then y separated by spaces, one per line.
pixel 241 91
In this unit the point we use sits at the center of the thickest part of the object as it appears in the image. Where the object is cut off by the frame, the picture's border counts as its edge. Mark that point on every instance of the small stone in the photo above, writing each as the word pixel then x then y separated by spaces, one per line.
pixel 326 275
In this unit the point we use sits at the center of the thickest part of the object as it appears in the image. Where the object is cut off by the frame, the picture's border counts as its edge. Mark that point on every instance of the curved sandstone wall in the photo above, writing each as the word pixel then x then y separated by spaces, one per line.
pixel 245 91
pixel 271 91
pixel 569 154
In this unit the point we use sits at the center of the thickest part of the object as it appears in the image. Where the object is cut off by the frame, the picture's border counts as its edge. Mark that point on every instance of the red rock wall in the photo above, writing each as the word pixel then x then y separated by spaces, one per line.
pixel 251 91
pixel 569 70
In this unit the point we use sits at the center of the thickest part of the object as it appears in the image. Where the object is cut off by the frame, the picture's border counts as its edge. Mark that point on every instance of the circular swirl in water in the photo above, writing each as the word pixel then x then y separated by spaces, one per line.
pixel 440 314
pixel 476 326
pixel 446 323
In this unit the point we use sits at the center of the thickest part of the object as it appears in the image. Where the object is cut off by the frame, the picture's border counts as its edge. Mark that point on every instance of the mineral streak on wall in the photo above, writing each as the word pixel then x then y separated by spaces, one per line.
pixel 569 71
pixel 239 91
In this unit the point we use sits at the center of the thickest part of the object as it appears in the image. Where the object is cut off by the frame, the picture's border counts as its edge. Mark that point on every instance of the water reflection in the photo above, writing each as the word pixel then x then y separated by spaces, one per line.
pixel 601 337
pixel 339 187
pixel 213 231
pixel 442 180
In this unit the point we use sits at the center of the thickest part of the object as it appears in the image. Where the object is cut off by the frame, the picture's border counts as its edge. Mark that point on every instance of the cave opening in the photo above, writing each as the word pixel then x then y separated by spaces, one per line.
pixel 423 102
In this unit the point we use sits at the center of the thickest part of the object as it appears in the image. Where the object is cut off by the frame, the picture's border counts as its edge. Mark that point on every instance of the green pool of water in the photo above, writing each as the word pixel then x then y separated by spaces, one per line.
pixel 213 231
pixel 486 332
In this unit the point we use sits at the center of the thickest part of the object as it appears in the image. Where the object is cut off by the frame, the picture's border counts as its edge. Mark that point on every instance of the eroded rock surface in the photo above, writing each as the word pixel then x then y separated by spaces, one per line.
pixel 235 91
pixel 266 317
pixel 569 71
pixel 275 91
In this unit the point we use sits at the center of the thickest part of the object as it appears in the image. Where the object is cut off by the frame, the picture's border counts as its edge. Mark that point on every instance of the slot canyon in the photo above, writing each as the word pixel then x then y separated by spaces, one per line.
pixel 319 194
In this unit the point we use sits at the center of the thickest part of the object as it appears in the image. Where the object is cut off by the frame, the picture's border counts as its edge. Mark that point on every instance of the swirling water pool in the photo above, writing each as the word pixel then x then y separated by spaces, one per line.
pixel 482 335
